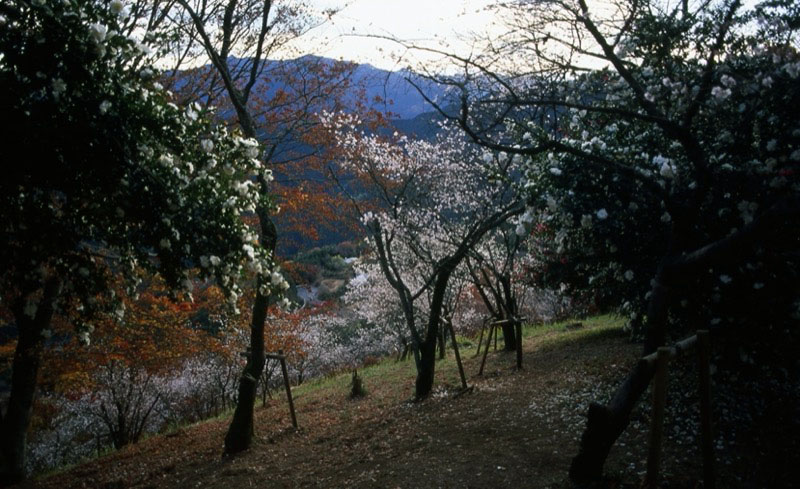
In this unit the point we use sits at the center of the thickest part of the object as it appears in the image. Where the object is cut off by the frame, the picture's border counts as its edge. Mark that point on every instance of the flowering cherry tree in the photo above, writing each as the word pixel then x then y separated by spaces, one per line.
pixel 662 154
pixel 495 269
pixel 373 300
pixel 432 203
pixel 115 179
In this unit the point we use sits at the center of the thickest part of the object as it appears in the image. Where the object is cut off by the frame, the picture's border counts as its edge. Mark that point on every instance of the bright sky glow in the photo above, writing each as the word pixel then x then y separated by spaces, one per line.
pixel 446 24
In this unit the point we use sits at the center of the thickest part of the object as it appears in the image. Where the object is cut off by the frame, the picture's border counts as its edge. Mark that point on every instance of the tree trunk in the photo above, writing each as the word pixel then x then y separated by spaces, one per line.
pixel 606 423
pixel 425 368
pixel 427 361
pixel 25 370
pixel 510 308
pixel 509 336
pixel 240 431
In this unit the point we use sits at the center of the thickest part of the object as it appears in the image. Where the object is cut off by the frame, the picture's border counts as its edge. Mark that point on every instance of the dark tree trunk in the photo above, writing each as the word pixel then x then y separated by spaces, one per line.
pixel 425 368
pixel 509 305
pixel 240 431
pixel 427 361
pixel 25 370
pixel 509 336
pixel 606 423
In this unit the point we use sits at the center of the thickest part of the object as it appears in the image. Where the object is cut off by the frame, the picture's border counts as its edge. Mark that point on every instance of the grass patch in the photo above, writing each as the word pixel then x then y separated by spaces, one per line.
pixel 564 331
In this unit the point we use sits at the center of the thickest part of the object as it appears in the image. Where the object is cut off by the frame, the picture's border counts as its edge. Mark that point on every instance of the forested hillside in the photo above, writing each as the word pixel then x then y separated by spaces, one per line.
pixel 202 214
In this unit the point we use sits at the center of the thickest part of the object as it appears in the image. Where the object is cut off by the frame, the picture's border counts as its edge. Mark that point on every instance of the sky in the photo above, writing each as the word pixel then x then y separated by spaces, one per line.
pixel 431 22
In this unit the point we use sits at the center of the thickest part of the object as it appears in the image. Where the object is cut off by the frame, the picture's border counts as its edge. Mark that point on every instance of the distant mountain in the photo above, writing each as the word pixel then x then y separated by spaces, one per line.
pixel 392 88
pixel 402 98
pixel 386 91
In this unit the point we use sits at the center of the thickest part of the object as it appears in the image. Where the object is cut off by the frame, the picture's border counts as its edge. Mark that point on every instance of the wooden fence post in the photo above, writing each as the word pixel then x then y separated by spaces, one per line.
pixel 518 331
pixel 706 429
pixel 288 387
pixel 486 350
pixel 657 421
pixel 480 340
pixel 458 356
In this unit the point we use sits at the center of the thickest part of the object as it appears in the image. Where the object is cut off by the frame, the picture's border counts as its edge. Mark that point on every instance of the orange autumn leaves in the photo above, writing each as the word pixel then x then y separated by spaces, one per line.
pixel 158 335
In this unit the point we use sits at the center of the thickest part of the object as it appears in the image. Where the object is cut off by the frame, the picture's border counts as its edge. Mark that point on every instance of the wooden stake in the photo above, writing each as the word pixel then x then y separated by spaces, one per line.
pixel 518 330
pixel 706 428
pixel 288 387
pixel 458 356
pixel 480 341
pixel 486 350
pixel 657 421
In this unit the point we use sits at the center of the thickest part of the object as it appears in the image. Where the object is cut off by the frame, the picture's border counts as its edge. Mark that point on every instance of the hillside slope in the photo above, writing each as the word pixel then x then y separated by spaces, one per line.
pixel 515 429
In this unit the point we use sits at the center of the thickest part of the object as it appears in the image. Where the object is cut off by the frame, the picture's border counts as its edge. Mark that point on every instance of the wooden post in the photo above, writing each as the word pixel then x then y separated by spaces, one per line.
pixel 480 341
pixel 657 421
pixel 495 337
pixel 518 330
pixel 458 356
pixel 706 429
pixel 486 350
pixel 288 387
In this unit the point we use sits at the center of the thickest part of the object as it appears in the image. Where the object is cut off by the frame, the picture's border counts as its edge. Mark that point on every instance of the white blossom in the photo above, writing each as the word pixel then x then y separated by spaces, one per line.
pixel 98 32
pixel 720 93
pixel 59 87
pixel 727 81
pixel 116 6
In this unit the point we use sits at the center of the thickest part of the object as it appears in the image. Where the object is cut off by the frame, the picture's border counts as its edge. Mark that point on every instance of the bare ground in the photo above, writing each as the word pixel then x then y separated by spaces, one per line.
pixel 514 429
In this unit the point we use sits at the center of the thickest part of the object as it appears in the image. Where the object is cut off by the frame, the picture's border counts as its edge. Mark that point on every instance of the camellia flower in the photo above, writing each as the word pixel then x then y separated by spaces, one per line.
pixel 116 6
pixel 602 214
pixel 728 81
pixel 98 32
pixel 165 160
pixel 720 93
pixel 59 87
